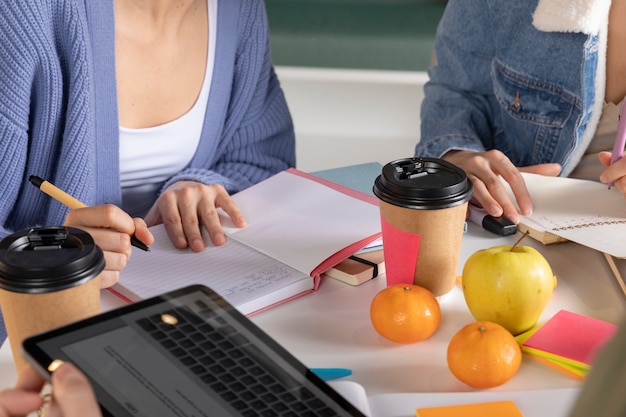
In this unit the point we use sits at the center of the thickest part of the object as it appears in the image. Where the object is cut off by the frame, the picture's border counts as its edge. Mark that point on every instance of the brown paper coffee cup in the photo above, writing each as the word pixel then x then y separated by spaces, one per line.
pixel 28 314
pixel 440 234
pixel 423 205
pixel 49 277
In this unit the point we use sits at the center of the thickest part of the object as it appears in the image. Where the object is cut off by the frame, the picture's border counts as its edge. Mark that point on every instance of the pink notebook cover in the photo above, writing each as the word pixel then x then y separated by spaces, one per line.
pixel 572 336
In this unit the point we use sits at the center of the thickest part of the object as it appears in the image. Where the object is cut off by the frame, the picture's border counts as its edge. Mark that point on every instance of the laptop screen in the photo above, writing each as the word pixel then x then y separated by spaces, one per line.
pixel 187 353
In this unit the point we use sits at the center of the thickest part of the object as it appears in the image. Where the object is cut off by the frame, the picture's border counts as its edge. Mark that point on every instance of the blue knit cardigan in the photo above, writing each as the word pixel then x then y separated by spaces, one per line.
pixel 58 107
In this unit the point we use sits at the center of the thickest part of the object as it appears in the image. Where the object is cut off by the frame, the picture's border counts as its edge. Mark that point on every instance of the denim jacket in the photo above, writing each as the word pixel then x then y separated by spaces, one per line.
pixel 519 76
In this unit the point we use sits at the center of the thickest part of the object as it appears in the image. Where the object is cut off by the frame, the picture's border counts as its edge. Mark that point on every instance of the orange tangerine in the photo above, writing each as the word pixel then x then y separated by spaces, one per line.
pixel 484 354
pixel 405 313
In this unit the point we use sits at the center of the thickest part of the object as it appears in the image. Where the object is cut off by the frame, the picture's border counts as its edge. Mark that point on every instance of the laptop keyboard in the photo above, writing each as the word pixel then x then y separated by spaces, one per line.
pixel 231 366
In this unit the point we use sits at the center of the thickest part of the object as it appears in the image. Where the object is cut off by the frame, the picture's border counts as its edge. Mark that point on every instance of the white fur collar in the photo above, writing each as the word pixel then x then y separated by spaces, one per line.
pixel 586 16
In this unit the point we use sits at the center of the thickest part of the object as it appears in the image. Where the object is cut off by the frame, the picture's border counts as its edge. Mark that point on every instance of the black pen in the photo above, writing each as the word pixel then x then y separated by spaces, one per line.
pixel 499 225
pixel 71 202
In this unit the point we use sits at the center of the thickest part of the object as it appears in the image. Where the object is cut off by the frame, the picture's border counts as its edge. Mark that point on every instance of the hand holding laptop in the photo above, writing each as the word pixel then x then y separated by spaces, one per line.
pixel 73 395
pixel 187 349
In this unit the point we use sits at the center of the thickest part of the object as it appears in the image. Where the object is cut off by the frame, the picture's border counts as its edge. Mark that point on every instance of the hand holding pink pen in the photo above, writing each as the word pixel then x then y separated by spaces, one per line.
pixel 620 139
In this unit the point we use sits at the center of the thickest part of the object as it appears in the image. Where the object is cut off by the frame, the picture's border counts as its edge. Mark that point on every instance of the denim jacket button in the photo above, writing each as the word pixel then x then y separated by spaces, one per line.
pixel 516 104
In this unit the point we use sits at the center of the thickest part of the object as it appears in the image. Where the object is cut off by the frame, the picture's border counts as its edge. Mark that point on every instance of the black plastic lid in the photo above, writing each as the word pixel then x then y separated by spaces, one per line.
pixel 423 183
pixel 48 259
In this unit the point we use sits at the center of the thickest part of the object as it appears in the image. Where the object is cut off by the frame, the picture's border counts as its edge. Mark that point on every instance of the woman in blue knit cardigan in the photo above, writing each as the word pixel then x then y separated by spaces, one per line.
pixel 142 109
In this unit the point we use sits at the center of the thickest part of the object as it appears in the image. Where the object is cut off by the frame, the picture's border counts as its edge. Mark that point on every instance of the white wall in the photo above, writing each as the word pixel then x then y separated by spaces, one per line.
pixel 345 117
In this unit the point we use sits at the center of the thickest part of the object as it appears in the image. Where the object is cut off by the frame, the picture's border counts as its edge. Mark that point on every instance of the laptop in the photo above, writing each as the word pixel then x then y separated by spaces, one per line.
pixel 186 353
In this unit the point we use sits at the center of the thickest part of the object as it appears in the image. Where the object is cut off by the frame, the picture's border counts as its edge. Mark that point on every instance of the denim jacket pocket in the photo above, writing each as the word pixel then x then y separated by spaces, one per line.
pixel 530 99
pixel 537 118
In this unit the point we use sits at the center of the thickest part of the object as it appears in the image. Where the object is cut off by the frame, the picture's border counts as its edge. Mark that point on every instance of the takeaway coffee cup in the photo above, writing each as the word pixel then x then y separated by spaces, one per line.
pixel 49 277
pixel 423 203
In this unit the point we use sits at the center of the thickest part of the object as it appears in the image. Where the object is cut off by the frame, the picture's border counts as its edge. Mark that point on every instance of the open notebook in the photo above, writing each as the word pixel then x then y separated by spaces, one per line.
pixel 299 226
pixel 581 211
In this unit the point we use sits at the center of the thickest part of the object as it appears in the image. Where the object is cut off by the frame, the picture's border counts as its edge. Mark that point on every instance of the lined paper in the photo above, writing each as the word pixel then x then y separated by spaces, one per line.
pixel 245 277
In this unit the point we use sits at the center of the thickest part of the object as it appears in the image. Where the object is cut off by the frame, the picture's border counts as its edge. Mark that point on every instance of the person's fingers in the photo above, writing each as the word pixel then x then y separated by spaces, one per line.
pixel 210 219
pixel 550 170
pixel 24 398
pixel 171 218
pixel 484 198
pixel 106 216
pixel 514 178
pixel 111 229
pixel 110 240
pixel 226 203
pixel 188 206
pixel 16 402
pixel 504 169
pixel 614 172
pixel 29 380
pixel 177 209
pixel 72 394
pixel 117 251
pixel 605 158
pixel 484 170
pixel 109 278
pixel 154 216
pixel 142 232
pixel 189 200
pixel 518 185
pixel 217 196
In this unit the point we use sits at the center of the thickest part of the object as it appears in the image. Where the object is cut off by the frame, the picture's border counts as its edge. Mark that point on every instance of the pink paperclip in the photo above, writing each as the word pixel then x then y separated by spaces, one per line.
pixel 620 139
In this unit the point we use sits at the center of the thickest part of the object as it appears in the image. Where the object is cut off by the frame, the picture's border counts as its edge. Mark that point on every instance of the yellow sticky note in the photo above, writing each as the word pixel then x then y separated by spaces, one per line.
pixel 485 409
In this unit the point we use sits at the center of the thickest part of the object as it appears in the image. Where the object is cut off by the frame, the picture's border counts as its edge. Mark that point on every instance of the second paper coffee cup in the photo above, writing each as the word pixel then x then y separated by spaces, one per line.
pixel 49 276
pixel 423 205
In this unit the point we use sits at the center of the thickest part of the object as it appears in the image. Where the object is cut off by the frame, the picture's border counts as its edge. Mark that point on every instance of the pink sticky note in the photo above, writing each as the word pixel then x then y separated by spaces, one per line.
pixel 572 336
pixel 400 251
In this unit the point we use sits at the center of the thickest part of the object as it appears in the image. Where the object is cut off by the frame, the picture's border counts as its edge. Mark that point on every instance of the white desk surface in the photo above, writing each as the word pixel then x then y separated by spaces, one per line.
pixel 331 327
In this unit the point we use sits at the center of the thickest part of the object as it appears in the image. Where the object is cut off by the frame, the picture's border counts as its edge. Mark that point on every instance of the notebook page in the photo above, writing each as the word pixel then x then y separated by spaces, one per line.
pixel 582 211
pixel 302 222
pixel 243 276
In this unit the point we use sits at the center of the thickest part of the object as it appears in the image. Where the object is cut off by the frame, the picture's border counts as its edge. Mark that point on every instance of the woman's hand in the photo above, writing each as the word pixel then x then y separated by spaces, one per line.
pixel 24 398
pixel 111 228
pixel 72 395
pixel 186 206
pixel 614 173
pixel 485 169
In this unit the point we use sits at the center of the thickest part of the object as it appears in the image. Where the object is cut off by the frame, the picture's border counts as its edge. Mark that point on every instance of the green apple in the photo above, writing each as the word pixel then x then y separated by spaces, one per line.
pixel 508 285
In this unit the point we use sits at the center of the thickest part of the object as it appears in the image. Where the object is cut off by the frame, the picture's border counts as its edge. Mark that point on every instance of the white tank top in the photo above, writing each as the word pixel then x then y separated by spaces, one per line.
pixel 149 156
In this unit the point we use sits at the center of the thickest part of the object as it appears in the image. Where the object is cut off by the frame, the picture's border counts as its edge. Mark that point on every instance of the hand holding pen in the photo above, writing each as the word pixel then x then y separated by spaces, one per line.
pixel 105 223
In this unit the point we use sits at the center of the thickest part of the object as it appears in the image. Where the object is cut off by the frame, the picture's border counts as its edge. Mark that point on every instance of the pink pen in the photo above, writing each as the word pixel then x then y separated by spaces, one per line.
pixel 620 139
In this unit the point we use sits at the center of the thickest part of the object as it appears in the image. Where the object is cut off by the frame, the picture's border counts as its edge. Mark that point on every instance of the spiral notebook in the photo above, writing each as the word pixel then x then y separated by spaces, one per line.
pixel 581 211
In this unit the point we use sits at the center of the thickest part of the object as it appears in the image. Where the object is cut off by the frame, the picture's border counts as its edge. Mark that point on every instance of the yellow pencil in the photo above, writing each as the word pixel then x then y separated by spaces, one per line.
pixel 71 202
